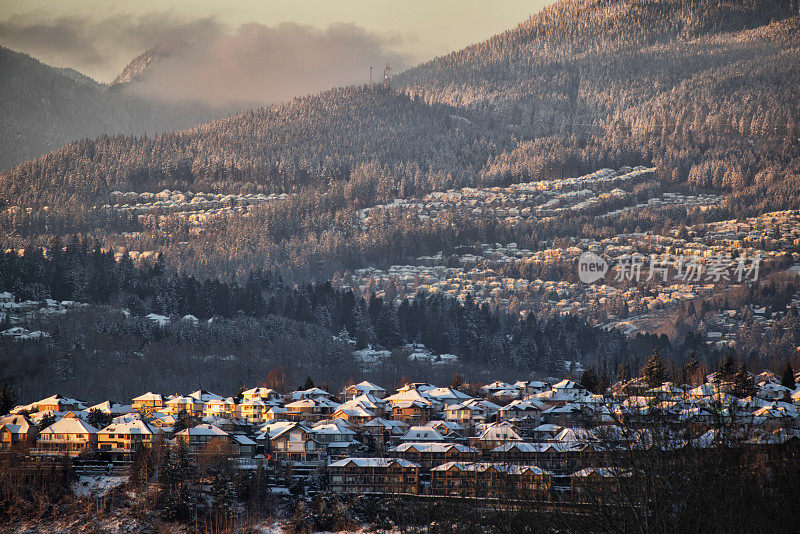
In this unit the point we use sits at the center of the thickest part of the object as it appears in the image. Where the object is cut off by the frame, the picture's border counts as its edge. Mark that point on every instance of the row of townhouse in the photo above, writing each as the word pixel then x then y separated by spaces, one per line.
pixel 493 480
pixel 558 427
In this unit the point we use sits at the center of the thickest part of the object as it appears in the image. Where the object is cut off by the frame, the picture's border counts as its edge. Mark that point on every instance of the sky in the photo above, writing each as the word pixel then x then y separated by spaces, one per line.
pixel 263 50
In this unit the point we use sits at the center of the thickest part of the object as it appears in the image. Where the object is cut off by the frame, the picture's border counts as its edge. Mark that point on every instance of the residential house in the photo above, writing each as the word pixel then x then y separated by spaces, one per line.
pixel 431 454
pixel 295 443
pixel 16 432
pixel 363 388
pixel 118 441
pixel 68 436
pixel 486 479
pixel 373 475
pixel 148 403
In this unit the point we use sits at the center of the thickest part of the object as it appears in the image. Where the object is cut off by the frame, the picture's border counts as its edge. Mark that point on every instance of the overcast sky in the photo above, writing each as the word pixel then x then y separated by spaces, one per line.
pixel 292 39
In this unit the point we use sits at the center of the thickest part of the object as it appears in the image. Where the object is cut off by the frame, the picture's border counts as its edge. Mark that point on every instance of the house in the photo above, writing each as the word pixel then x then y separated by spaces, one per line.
pixel 373 475
pixel 422 433
pixel 520 409
pixel 310 393
pixel 494 435
pixel 337 437
pixel 190 405
pixel 464 414
pixel 498 386
pixel 310 409
pixel 16 432
pixel 112 408
pixel 118 441
pixel 295 443
pixel 599 484
pixel 368 402
pixel 566 415
pixel 68 436
pixel 148 403
pixel 487 479
pixel 356 415
pixel 451 431
pixel 384 430
pixel 431 454
pixel 447 396
pixel 531 387
pixel 559 457
pixel 566 386
pixel 253 409
pixel 207 438
pixel 225 408
pixel 363 388
pixel 264 394
pixel 414 412
pixel 55 403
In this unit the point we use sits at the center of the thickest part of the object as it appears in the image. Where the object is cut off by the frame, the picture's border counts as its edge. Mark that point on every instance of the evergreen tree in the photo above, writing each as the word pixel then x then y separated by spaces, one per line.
pixel 727 367
pixel 589 380
pixel 653 370
pixel 46 421
pixel 308 384
pixel 787 378
pixel 8 399
pixel 623 375
pixel 456 382
pixel 184 420
pixel 98 419
pixel 743 384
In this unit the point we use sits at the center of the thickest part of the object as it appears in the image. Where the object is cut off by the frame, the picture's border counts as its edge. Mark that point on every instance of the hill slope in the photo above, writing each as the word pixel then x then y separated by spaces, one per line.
pixel 703 90
pixel 671 75
pixel 44 108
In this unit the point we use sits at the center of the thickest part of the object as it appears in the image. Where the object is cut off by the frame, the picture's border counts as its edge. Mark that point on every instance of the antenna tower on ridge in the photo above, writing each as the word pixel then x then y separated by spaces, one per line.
pixel 387 77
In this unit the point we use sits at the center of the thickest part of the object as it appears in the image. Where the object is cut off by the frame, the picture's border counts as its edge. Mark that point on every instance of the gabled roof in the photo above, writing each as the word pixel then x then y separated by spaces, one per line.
pixel 434 447
pixel 374 462
pixel 500 467
pixel 148 397
pixel 69 425
pixel 203 430
pixel 365 387
pixel 135 427
pixel 422 433
pixel 499 432
pixel 112 407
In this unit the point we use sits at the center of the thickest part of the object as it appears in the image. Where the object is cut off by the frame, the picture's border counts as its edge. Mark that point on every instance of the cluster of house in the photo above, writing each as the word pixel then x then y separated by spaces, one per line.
pixel 521 201
pixel 528 438
pixel 196 208
pixel 14 314
pixel 670 270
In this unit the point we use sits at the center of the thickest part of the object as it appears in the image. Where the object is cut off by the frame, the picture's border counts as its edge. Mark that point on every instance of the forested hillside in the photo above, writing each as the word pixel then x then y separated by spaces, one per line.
pixel 239 332
pixel 43 108
pixel 703 91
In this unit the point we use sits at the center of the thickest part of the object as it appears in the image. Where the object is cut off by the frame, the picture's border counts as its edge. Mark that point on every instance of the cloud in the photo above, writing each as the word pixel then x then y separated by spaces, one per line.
pixel 210 62
pixel 263 64
pixel 97 47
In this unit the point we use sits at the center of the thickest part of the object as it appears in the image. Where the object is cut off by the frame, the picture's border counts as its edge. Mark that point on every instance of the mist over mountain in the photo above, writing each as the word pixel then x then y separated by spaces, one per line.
pixel 45 107
pixel 259 65
pixel 143 61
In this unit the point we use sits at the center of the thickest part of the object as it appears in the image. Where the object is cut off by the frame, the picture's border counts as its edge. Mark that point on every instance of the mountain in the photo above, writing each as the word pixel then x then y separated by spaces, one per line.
pixel 702 90
pixel 44 107
pixel 666 78
pixel 142 62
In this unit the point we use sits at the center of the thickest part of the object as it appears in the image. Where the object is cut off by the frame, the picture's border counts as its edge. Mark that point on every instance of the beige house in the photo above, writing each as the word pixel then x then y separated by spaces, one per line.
pixel 148 403
pixel 69 435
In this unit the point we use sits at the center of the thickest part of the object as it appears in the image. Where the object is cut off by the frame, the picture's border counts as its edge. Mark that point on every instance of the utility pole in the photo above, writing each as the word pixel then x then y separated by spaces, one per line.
pixel 387 78
pixel 370 74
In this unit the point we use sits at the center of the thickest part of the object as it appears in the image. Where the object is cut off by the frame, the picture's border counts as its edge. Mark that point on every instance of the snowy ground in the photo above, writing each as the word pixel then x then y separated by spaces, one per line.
pixel 97 485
